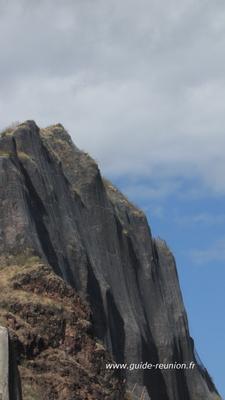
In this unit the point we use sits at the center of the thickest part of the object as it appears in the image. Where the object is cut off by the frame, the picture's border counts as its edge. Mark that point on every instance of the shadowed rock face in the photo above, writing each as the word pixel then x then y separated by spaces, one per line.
pixel 10 388
pixel 54 204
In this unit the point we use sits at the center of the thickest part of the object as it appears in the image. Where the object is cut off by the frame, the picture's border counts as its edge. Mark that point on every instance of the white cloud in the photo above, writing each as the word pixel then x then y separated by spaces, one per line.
pixel 151 190
pixel 139 84
pixel 214 253
pixel 155 211
pixel 204 219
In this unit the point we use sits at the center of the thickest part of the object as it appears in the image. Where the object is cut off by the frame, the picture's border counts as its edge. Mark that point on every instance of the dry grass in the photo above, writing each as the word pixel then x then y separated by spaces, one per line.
pixel 4 154
pixel 8 130
pixel 118 197
pixel 10 296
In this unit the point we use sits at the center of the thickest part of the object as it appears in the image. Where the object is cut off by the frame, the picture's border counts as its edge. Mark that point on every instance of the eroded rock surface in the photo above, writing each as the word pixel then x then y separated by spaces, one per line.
pixel 52 334
pixel 54 205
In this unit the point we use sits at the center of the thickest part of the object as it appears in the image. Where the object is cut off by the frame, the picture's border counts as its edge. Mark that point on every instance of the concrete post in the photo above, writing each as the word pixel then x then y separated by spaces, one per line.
pixel 4 364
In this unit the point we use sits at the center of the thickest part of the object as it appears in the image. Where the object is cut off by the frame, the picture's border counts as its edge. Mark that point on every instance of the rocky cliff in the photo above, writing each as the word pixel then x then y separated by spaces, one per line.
pixel 52 334
pixel 55 207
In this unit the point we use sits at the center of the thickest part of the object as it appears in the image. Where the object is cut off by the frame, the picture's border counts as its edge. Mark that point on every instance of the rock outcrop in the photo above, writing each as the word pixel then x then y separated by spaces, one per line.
pixel 10 387
pixel 55 205
pixel 52 334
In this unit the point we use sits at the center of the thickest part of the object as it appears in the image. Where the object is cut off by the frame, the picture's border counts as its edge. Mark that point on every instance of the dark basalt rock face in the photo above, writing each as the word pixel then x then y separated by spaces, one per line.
pixel 54 204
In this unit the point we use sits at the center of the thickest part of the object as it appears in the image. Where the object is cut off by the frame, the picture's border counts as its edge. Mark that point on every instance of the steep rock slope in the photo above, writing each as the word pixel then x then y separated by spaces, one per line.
pixel 54 204
pixel 50 328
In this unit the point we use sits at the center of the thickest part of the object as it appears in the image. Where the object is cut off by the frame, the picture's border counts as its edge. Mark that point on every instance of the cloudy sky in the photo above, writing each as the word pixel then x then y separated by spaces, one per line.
pixel 140 84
